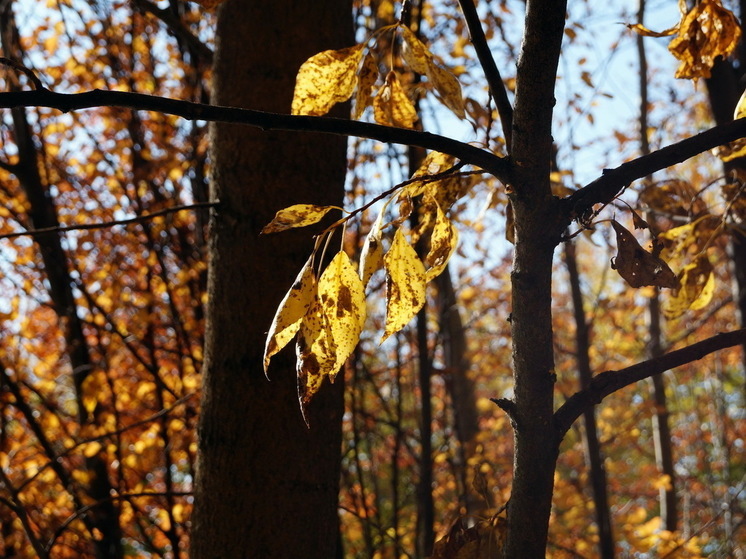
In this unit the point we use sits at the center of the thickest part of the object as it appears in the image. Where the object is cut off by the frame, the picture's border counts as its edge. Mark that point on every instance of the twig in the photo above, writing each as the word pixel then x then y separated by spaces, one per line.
pixel 610 381
pixel 607 186
pixel 106 224
pixel 21 69
pixel 487 61
pixel 500 167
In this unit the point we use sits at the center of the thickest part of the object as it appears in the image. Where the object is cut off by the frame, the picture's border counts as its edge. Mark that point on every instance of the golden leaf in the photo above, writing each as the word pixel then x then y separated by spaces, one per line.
pixel 637 266
pixel 693 236
pixel 366 80
pixel 342 298
pixel 299 215
pixel 371 256
pixel 325 79
pixel 405 283
pixel 316 353
pixel 421 60
pixel 443 242
pixel 449 89
pixel 415 53
pixel 292 309
pixel 740 110
pixel 695 291
pixel 445 191
pixel 391 106
pixel 707 31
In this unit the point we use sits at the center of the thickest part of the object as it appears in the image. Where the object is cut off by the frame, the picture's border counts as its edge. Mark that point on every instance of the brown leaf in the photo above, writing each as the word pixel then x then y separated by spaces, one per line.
pixel 707 31
pixel 637 266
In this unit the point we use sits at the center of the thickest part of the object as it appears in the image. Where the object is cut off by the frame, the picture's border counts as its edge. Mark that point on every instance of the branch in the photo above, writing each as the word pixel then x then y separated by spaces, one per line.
pixel 106 224
pixel 612 181
pixel 610 381
pixel 65 102
pixel 178 29
pixel 487 61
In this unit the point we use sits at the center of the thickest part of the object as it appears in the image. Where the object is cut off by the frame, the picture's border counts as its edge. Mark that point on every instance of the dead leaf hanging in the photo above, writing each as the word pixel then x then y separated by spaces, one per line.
pixel 637 266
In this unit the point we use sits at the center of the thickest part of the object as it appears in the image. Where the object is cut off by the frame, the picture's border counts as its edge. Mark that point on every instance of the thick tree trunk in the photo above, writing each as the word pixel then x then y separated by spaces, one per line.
pixel 266 484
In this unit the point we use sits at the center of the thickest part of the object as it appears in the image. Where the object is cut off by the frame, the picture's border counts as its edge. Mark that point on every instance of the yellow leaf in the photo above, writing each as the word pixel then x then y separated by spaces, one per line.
pixel 740 110
pixel 291 311
pixel 298 215
pixel 366 80
pixel 421 60
pixel 637 266
pixel 706 32
pixel 405 284
pixel 414 52
pixel 316 353
pixel 391 105
pixel 443 243
pixel 342 298
pixel 445 190
pixel 448 88
pixel 91 449
pixel 695 291
pixel 371 256
pixel 325 79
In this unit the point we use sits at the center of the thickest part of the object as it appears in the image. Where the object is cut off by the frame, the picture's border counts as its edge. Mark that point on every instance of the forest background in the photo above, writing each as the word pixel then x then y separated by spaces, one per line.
pixel 104 278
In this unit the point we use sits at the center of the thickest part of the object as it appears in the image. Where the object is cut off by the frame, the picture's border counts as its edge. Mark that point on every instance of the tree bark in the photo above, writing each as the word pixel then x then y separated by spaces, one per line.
pixel 536 235
pixel 266 484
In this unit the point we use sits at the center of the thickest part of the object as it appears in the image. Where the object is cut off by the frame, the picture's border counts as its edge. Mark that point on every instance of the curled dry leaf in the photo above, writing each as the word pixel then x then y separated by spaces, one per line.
pixel 645 32
pixel 391 105
pixel 325 79
pixel 299 215
pixel 706 32
pixel 294 306
pixel 637 266
pixel 405 283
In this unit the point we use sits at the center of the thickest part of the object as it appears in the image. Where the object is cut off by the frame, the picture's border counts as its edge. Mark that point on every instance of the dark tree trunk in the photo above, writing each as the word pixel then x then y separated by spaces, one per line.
pixel 266 484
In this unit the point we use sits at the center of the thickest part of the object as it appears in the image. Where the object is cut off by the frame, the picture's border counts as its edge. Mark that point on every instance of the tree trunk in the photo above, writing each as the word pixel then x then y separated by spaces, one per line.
pixel 593 455
pixel 266 484
pixel 537 233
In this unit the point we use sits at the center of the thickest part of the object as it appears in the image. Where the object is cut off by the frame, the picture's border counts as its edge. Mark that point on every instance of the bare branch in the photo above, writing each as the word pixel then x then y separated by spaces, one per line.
pixel 65 102
pixel 487 61
pixel 612 181
pixel 178 29
pixel 610 381
pixel 107 224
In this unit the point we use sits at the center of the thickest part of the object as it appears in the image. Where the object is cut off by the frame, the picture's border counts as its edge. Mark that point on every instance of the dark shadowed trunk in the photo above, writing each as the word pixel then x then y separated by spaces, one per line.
pixel 266 484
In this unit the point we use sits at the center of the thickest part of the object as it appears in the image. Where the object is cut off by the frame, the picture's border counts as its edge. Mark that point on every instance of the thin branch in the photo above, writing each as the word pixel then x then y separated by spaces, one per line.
pixel 178 29
pixel 494 80
pixel 612 181
pixel 610 381
pixel 65 102
pixel 107 224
